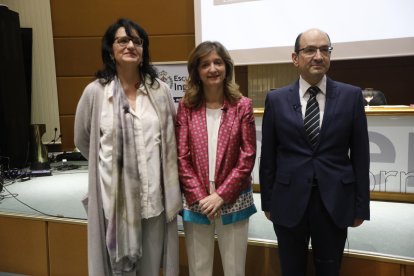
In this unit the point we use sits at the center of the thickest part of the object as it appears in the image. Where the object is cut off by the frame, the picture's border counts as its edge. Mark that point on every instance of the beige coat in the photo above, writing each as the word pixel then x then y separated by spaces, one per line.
pixel 87 134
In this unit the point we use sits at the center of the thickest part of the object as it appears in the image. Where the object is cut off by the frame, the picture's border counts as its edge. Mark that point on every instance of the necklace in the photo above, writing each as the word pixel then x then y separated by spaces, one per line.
pixel 214 105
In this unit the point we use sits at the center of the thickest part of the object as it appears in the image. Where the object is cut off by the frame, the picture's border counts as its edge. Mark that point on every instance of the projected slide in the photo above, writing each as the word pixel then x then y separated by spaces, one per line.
pixel 380 28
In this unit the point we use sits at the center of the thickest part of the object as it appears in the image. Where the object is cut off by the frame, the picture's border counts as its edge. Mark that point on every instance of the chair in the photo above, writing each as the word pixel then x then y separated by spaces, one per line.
pixel 378 97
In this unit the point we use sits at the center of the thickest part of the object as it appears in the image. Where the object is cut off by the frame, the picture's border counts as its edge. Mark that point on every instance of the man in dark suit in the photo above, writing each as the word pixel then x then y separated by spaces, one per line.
pixel 314 168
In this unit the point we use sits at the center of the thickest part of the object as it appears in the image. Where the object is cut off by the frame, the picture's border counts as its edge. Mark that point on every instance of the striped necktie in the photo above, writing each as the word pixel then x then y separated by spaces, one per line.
pixel 311 121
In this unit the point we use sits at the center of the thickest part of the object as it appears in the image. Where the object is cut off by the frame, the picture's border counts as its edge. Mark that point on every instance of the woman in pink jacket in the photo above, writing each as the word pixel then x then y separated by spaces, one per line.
pixel 216 139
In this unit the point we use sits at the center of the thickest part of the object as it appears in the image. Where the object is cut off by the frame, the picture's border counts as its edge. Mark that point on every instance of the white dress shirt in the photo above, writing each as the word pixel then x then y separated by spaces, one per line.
pixel 320 98
pixel 147 133
pixel 213 125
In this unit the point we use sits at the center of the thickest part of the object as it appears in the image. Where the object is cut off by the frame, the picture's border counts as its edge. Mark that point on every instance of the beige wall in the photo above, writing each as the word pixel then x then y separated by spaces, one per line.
pixel 78 26
pixel 77 29
pixel 36 15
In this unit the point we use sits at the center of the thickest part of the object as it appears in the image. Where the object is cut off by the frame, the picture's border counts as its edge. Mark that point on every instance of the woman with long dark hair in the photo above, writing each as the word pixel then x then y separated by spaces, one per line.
pixel 124 126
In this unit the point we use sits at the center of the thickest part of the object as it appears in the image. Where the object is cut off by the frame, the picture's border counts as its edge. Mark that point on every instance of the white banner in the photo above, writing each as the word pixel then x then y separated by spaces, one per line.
pixel 391 153
pixel 175 75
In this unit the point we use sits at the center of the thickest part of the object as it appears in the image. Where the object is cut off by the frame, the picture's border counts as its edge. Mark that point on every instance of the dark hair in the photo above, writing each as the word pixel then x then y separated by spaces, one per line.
pixel 194 96
pixel 297 41
pixel 108 73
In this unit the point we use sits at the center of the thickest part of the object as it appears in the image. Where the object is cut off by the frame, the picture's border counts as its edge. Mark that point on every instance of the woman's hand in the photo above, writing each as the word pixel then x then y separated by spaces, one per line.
pixel 210 205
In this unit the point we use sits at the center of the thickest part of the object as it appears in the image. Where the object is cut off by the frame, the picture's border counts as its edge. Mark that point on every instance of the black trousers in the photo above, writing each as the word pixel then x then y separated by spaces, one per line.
pixel 327 241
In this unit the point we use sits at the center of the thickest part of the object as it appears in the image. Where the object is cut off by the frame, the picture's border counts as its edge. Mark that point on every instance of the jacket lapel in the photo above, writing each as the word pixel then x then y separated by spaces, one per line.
pixel 226 124
pixel 199 142
pixel 330 105
pixel 294 102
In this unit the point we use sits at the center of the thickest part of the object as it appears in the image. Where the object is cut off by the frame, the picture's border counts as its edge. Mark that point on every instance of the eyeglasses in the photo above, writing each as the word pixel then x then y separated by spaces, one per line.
pixel 123 41
pixel 311 51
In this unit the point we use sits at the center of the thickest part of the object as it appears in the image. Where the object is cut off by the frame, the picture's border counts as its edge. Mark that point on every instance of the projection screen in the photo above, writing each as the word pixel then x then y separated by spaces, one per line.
pixel 264 31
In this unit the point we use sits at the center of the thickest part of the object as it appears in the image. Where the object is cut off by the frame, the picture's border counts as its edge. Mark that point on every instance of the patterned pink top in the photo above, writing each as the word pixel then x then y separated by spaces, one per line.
pixel 236 151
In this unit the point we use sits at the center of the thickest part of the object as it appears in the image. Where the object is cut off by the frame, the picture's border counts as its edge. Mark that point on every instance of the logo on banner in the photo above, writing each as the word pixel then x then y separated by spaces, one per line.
pixel 163 75
pixel 175 76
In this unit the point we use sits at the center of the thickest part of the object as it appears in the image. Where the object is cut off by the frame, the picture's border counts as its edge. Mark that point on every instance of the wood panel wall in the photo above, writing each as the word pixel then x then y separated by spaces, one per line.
pixel 23 246
pixel 78 26
pixel 67 249
pixel 389 75
pixel 393 76
pixel 33 246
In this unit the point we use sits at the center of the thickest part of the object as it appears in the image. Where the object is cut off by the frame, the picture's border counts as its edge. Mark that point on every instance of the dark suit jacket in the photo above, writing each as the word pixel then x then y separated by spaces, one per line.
pixel 340 161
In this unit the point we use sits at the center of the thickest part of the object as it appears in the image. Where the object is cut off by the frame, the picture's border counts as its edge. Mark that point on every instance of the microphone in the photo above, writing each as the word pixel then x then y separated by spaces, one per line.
pixel 126 108
pixel 296 107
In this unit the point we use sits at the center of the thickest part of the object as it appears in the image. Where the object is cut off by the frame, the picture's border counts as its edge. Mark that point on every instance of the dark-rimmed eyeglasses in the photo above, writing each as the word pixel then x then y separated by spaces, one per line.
pixel 311 50
pixel 123 41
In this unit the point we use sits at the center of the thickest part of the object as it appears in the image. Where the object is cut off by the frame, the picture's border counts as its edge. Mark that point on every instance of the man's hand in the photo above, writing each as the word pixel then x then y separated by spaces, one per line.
pixel 267 214
pixel 357 222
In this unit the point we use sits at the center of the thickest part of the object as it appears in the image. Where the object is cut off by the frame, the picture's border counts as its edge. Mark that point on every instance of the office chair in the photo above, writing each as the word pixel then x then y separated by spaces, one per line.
pixel 378 97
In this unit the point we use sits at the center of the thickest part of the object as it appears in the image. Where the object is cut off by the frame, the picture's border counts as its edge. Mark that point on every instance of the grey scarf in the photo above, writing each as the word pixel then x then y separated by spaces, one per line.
pixel 124 233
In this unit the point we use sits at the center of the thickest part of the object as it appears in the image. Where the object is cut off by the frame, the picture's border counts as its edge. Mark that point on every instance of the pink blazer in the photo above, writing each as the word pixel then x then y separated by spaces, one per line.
pixel 236 151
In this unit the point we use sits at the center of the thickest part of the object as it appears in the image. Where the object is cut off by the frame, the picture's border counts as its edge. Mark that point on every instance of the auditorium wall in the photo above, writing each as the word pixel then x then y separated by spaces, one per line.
pixel 79 25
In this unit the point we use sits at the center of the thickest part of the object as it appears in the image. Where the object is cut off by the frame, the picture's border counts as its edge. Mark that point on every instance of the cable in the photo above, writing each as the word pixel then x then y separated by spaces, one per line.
pixel 7 183
pixel 6 196
pixel 21 174
pixel 54 137
pixel 1 180
pixel 60 136
pixel 5 161
pixel 36 210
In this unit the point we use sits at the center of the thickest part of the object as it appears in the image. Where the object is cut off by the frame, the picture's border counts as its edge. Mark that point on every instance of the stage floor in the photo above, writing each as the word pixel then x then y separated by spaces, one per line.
pixel 389 233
